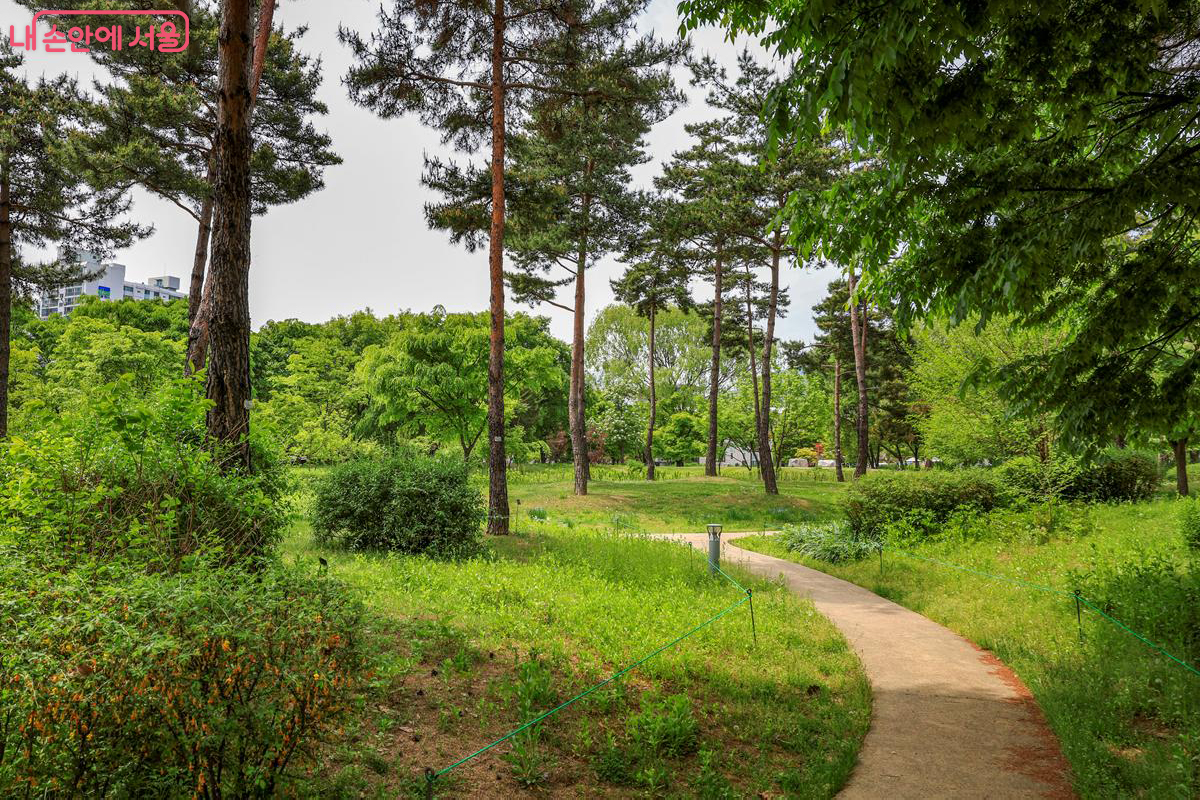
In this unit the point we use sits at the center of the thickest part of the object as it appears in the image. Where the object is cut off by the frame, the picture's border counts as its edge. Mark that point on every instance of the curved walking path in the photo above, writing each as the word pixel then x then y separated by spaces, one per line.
pixel 948 719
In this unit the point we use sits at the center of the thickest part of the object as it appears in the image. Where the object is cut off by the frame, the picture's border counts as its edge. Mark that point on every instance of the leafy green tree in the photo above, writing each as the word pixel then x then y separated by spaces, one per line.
pixel 44 197
pixel 166 317
pixel 431 379
pixel 1036 164
pixel 970 419
pixel 682 439
pixel 621 425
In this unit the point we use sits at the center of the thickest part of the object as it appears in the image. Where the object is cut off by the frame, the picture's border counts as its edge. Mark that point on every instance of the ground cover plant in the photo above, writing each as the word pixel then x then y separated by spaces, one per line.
pixel 479 645
pixel 1128 717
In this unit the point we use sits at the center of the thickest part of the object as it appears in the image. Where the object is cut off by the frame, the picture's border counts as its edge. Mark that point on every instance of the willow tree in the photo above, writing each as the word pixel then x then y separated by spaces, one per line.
pixel 45 199
pixel 472 71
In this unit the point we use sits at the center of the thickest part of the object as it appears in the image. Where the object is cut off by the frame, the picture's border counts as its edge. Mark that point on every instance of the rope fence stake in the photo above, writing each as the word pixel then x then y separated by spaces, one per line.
pixel 1079 613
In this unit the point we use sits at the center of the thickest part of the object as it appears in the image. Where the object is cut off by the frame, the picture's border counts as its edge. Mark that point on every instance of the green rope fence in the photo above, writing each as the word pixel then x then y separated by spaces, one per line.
pixel 432 776
pixel 1076 596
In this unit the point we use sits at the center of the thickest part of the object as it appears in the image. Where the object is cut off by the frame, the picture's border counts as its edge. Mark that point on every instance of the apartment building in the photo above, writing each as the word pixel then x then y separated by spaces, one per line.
pixel 108 282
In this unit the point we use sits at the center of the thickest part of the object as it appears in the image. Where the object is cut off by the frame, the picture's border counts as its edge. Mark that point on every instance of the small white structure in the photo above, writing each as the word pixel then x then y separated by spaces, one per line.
pixel 108 282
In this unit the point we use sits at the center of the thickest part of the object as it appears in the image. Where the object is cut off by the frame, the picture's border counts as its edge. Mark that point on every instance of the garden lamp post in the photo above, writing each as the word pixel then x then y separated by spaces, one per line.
pixel 714 547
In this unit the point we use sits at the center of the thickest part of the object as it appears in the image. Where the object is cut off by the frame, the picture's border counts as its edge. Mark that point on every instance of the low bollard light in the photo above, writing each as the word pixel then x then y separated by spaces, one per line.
pixel 714 547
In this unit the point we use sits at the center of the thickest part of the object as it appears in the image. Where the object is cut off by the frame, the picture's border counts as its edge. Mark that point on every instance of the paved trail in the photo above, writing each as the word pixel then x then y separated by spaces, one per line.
pixel 948 719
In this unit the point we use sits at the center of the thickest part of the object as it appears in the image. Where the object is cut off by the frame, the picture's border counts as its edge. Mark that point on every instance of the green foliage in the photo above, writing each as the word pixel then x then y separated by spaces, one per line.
pixel 924 499
pixel 833 542
pixel 408 502
pixel 1118 475
pixel 681 439
pixel 967 418
pixel 430 379
pixel 212 681
pixel 125 475
pixel 1189 522
pixel 665 727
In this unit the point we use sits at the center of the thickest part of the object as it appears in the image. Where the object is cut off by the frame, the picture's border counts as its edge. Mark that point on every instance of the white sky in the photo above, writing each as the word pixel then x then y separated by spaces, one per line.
pixel 362 241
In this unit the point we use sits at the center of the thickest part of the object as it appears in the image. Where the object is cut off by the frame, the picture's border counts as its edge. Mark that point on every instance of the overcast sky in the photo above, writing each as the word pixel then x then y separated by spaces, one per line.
pixel 362 241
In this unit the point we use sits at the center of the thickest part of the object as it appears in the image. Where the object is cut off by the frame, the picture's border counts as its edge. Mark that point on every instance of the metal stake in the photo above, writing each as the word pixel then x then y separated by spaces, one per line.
pixel 1079 614
pixel 753 627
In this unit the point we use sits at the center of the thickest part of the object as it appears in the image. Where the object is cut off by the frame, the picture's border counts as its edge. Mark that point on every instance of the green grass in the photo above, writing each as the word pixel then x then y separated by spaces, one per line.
pixel 682 500
pixel 1128 719
pixel 469 649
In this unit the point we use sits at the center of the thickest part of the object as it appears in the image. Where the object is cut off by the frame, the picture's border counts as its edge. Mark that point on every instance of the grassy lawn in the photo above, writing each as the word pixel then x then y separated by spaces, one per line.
pixel 469 650
pixel 1128 719
pixel 682 500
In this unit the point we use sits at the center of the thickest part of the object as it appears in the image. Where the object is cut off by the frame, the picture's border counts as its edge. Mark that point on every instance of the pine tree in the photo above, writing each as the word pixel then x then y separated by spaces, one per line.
pixel 226 318
pixel 157 126
pixel 568 180
pixel 781 175
pixel 709 208
pixel 44 198
pixel 656 279
pixel 473 70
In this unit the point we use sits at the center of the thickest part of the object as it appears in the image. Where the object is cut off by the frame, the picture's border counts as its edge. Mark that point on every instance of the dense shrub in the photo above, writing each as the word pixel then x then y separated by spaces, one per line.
pixel 1031 478
pixel 212 681
pixel 130 476
pixel 1117 475
pixel 923 499
pixel 834 542
pixel 409 502
pixel 1189 522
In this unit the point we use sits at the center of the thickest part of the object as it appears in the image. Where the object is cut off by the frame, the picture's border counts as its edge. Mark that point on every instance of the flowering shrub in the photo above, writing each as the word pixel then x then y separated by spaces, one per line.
pixel 211 682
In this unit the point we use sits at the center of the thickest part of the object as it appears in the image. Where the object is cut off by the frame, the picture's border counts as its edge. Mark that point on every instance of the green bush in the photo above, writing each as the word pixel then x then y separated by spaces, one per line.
pixel 834 542
pixel 1189 522
pixel 922 499
pixel 411 503
pixel 1118 475
pixel 1030 478
pixel 131 477
pixel 213 681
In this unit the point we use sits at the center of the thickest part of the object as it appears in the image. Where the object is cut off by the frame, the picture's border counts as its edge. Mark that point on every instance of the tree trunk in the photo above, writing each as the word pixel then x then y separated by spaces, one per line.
pixel 197 345
pixel 837 419
pixel 578 425
pixel 497 457
pixel 1181 476
pixel 758 410
pixel 6 249
pixel 228 317
pixel 770 483
pixel 653 410
pixel 858 336
pixel 710 458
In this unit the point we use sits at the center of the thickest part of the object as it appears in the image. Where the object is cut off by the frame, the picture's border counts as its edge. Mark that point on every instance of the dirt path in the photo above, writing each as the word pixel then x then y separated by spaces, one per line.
pixel 948 719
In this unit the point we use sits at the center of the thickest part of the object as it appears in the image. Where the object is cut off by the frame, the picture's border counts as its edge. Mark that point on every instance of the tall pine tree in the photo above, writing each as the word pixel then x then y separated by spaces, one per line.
pixel 44 197
pixel 473 70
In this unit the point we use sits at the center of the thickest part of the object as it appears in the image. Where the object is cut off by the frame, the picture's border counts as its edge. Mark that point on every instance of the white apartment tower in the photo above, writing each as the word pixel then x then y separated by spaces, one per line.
pixel 106 281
